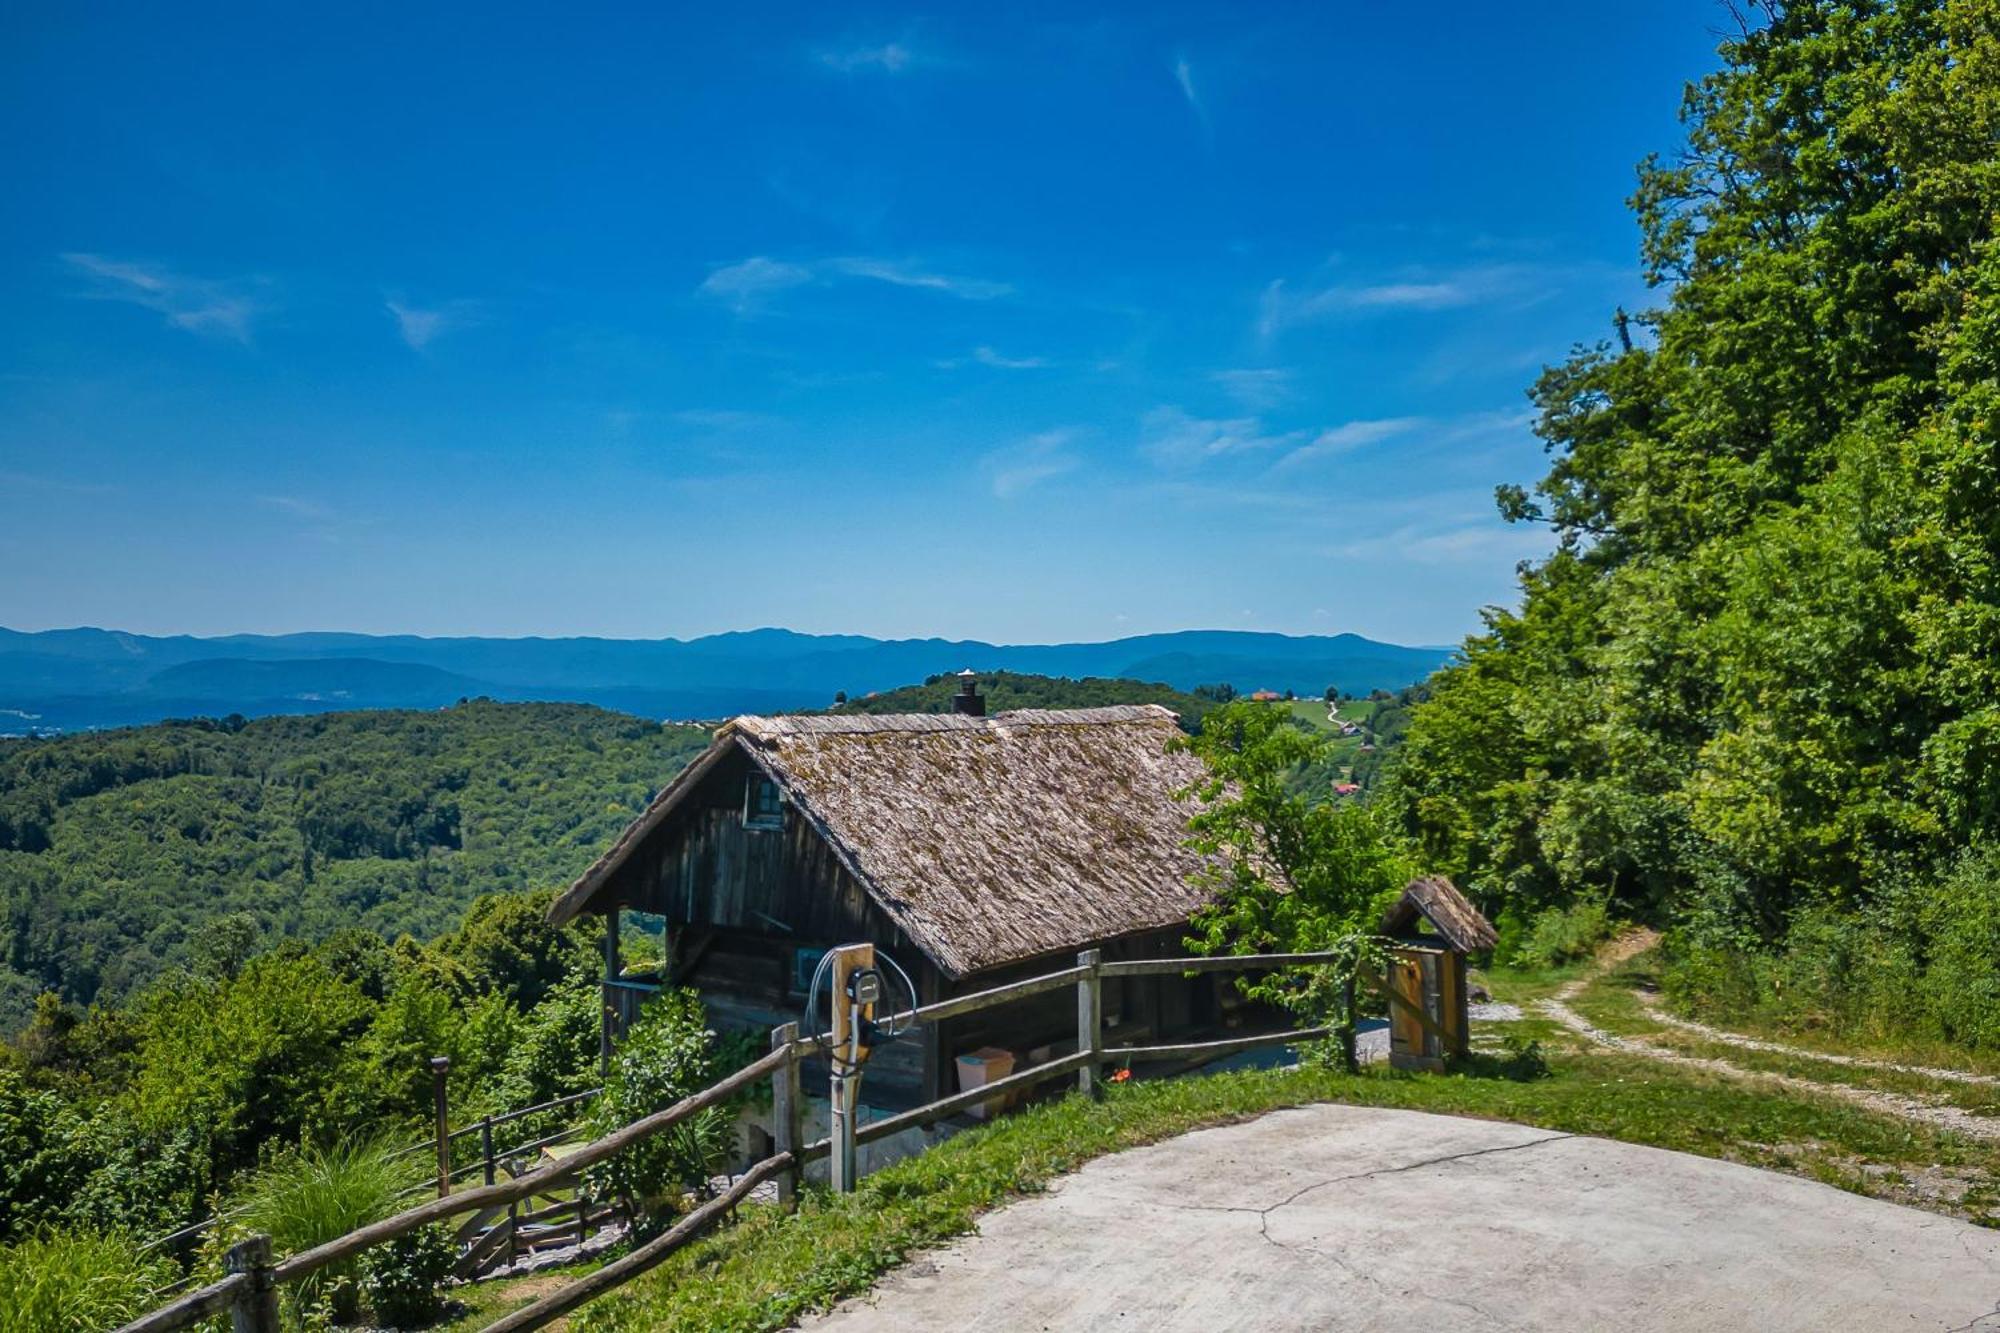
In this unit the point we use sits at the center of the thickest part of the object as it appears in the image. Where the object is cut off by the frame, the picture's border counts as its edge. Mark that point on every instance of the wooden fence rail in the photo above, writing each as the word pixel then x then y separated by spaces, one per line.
pixel 249 1292
pixel 481 1127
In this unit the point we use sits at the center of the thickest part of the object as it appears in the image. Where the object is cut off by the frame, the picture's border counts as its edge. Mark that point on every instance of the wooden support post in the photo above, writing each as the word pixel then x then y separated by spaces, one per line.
pixel 1090 1024
pixel 850 1049
pixel 612 969
pixel 1350 1058
pixel 256 1311
pixel 787 1113
pixel 486 1145
pixel 440 1065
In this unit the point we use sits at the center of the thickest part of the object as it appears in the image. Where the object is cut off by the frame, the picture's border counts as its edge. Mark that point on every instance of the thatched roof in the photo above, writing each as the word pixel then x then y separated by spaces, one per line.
pixel 988 840
pixel 1438 900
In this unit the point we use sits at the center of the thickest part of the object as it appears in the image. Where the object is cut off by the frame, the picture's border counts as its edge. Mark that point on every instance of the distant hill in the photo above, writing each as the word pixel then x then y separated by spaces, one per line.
pixel 1010 689
pixel 80 678
pixel 333 680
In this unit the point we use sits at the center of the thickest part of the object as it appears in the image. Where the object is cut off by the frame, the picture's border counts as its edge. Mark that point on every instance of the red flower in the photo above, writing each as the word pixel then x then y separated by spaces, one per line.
pixel 1121 1076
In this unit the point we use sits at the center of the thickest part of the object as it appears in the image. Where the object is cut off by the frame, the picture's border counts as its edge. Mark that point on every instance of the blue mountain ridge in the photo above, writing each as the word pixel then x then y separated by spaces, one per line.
pixel 75 678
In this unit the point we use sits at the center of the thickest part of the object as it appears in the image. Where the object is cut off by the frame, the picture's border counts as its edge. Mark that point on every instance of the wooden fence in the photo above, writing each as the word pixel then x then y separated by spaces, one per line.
pixel 491 1243
pixel 250 1289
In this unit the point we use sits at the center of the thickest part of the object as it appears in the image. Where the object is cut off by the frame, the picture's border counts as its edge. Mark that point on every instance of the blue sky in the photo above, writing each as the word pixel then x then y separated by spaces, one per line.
pixel 1058 323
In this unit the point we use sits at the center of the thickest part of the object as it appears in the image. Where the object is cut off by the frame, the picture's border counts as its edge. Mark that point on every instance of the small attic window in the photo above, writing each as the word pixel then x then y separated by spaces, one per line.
pixel 763 803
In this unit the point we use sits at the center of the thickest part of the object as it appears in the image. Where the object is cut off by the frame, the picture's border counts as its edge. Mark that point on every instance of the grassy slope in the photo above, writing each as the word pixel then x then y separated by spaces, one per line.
pixel 772 1267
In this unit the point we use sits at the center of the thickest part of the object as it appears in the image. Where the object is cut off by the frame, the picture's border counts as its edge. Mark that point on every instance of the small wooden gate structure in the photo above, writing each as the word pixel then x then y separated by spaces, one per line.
pixel 1433 927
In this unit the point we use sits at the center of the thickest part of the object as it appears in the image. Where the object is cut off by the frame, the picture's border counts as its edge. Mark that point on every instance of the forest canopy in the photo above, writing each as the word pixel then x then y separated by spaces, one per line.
pixel 123 853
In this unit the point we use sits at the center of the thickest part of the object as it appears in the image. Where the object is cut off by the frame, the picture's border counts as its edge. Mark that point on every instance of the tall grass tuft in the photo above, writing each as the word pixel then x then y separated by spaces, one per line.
pixel 65 1281
pixel 313 1195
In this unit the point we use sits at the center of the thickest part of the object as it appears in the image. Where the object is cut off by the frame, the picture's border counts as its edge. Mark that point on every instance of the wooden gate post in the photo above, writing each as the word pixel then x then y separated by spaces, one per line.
pixel 1350 1058
pixel 1090 1023
pixel 440 1065
pixel 788 1110
pixel 256 1310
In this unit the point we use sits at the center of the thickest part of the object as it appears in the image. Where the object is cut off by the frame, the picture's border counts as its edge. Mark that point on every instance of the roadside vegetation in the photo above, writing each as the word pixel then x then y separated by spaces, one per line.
pixel 278 1091
pixel 1751 695
pixel 772 1267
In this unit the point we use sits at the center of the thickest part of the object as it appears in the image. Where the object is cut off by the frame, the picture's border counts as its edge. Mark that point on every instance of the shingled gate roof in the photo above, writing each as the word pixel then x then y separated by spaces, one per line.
pixel 1438 900
pixel 987 839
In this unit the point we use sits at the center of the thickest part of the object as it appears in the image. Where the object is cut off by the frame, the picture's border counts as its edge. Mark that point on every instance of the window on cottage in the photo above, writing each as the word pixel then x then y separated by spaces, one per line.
pixel 763 804
pixel 804 963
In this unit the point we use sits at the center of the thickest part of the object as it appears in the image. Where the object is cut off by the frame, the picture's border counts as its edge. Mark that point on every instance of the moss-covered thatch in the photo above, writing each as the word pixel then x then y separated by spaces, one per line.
pixel 989 840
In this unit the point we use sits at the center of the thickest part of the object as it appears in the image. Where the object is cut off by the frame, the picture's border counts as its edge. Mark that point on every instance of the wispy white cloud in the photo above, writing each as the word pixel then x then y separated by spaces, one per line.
pixel 1464 541
pixel 1347 436
pixel 315 521
pixel 1284 307
pixel 748 284
pixel 35 481
pixel 297 507
pixel 1257 388
pixel 1184 77
pixel 1020 467
pixel 420 326
pixel 708 418
pixel 899 273
pixel 1174 438
pixel 986 356
pixel 196 305
pixel 887 58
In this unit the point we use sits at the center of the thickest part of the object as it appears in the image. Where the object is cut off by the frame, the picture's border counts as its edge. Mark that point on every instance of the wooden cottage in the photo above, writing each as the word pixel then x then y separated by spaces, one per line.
pixel 975 850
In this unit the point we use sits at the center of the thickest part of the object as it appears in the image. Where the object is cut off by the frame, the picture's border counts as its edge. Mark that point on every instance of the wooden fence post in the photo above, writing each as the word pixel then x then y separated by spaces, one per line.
pixel 1090 1024
pixel 256 1311
pixel 1350 1060
pixel 787 1113
pixel 486 1145
pixel 440 1064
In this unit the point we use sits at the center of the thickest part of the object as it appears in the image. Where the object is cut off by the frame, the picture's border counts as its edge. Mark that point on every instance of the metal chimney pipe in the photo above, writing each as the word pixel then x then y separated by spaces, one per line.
pixel 968 700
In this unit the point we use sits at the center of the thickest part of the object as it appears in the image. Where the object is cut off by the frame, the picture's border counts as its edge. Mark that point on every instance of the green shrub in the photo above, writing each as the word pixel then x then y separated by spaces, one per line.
pixel 1524 1060
pixel 1558 935
pixel 72 1281
pixel 1963 926
pixel 1704 978
pixel 667 1055
pixel 555 1048
pixel 312 1195
pixel 402 1279
pixel 1919 962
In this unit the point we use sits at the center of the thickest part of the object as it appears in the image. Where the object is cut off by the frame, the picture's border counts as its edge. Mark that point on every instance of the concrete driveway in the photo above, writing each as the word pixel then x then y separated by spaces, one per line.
pixel 1339 1217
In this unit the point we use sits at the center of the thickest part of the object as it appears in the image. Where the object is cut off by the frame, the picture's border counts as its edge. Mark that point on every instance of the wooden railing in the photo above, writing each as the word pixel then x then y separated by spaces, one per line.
pixel 250 1290
pixel 489 1160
